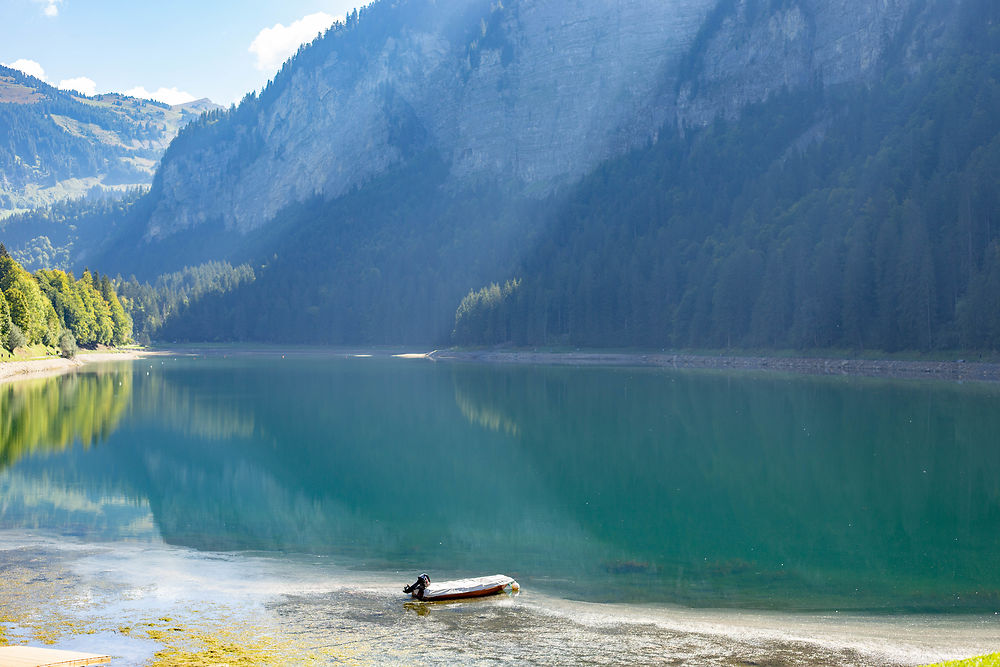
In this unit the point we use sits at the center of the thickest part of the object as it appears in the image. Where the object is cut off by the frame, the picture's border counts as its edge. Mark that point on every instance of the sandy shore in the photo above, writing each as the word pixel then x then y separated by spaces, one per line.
pixel 939 370
pixel 11 371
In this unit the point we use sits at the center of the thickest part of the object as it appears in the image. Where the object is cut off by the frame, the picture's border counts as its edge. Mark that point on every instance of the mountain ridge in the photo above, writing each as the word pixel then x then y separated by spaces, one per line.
pixel 534 99
pixel 57 145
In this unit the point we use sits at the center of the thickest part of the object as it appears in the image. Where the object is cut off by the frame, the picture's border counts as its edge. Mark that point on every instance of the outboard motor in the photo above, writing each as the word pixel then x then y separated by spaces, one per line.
pixel 418 586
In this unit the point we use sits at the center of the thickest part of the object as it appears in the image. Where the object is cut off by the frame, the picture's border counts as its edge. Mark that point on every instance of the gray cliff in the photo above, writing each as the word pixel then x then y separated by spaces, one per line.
pixel 747 54
pixel 530 93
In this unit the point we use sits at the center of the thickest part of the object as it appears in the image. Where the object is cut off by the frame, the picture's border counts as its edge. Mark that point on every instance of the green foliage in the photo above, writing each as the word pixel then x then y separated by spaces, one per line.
pixel 87 308
pixel 67 345
pixel 19 313
pixel 121 323
pixel 44 307
pixel 103 327
pixel 5 321
pixel 485 316
pixel 26 303
pixel 15 338
pixel 991 660
pixel 151 306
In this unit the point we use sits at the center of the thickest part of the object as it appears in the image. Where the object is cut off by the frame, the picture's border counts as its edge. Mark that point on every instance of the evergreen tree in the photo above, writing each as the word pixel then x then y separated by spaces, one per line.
pixel 5 321
pixel 120 321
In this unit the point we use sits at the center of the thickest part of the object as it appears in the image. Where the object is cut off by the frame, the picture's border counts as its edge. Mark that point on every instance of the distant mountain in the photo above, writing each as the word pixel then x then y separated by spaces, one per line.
pixel 57 145
pixel 197 107
pixel 801 173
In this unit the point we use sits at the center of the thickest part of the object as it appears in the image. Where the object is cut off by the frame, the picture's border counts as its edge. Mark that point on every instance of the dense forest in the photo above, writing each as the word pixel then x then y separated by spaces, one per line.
pixel 65 233
pixel 876 230
pixel 383 265
pixel 151 306
pixel 54 309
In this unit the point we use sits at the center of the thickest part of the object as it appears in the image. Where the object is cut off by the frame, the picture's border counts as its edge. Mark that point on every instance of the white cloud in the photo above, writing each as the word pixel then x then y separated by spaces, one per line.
pixel 275 45
pixel 165 95
pixel 80 84
pixel 29 67
pixel 51 7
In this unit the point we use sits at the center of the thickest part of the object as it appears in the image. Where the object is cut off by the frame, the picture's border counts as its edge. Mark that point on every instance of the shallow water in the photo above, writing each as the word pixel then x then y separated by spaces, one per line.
pixel 686 518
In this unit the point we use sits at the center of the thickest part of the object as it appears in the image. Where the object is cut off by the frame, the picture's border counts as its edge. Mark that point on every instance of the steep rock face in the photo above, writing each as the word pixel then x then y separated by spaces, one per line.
pixel 534 92
pixel 531 94
pixel 582 86
pixel 747 52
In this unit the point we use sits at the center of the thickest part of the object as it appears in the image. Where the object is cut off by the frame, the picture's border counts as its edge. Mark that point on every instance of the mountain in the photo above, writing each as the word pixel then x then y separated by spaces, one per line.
pixel 57 145
pixel 527 93
pixel 693 172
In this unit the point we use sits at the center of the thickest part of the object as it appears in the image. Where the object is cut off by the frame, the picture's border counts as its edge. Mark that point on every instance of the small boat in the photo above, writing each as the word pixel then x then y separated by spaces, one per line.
pixel 458 589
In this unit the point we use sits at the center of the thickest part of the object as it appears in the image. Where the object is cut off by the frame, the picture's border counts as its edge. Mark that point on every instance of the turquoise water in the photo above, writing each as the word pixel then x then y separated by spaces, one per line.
pixel 605 484
pixel 692 490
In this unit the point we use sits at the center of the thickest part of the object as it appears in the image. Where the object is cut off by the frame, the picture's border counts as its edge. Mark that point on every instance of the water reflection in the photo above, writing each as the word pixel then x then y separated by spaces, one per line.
pixel 40 422
pixel 695 488
pixel 50 414
pixel 734 490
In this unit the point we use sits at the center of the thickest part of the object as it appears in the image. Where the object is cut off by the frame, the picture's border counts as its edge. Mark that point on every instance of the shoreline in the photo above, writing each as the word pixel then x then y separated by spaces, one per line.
pixel 949 371
pixel 14 371
pixel 959 371
pixel 328 613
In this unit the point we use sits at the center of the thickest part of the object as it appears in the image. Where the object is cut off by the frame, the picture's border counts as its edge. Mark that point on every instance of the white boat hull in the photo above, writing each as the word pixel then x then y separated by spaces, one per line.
pixel 458 589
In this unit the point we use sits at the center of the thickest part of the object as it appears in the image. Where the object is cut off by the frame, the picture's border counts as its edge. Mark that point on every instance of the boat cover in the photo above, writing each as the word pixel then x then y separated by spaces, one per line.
pixel 462 588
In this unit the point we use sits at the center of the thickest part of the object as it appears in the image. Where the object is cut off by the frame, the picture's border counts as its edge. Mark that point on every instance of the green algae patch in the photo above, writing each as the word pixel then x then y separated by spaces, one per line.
pixel 203 648
pixel 28 607
pixel 991 660
pixel 42 602
pixel 219 635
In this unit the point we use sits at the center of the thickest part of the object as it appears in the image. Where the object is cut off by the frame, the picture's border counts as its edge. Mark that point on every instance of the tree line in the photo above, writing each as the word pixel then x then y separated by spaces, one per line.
pixel 53 237
pixel 172 295
pixel 857 217
pixel 55 309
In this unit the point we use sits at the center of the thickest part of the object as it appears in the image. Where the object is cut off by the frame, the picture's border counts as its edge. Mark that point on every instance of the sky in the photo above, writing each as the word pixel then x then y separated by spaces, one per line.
pixel 171 51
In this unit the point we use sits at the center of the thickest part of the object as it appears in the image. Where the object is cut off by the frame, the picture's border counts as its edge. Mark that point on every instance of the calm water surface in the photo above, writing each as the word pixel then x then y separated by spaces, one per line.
pixel 648 492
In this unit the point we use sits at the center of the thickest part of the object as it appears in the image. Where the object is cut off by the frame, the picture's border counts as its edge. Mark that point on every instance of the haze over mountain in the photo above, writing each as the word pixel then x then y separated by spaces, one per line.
pixel 686 172
pixel 529 94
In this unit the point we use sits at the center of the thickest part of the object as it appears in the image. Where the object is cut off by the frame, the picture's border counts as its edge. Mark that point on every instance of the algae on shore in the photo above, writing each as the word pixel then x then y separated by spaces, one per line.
pixel 991 660
pixel 43 602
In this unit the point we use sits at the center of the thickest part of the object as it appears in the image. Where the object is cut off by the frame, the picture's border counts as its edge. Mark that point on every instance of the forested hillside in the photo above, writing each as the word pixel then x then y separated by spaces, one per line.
pixel 857 216
pixel 57 144
pixel 64 234
pixel 853 217
pixel 820 175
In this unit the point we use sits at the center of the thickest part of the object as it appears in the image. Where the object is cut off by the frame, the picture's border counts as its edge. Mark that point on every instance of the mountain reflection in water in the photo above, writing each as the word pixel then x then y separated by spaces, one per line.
pixel 603 484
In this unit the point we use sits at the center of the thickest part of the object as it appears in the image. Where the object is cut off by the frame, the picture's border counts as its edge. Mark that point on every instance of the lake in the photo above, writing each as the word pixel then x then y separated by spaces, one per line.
pixel 648 514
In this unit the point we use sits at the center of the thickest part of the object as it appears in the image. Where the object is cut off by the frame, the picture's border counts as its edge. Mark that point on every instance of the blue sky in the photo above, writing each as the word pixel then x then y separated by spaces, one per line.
pixel 175 51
